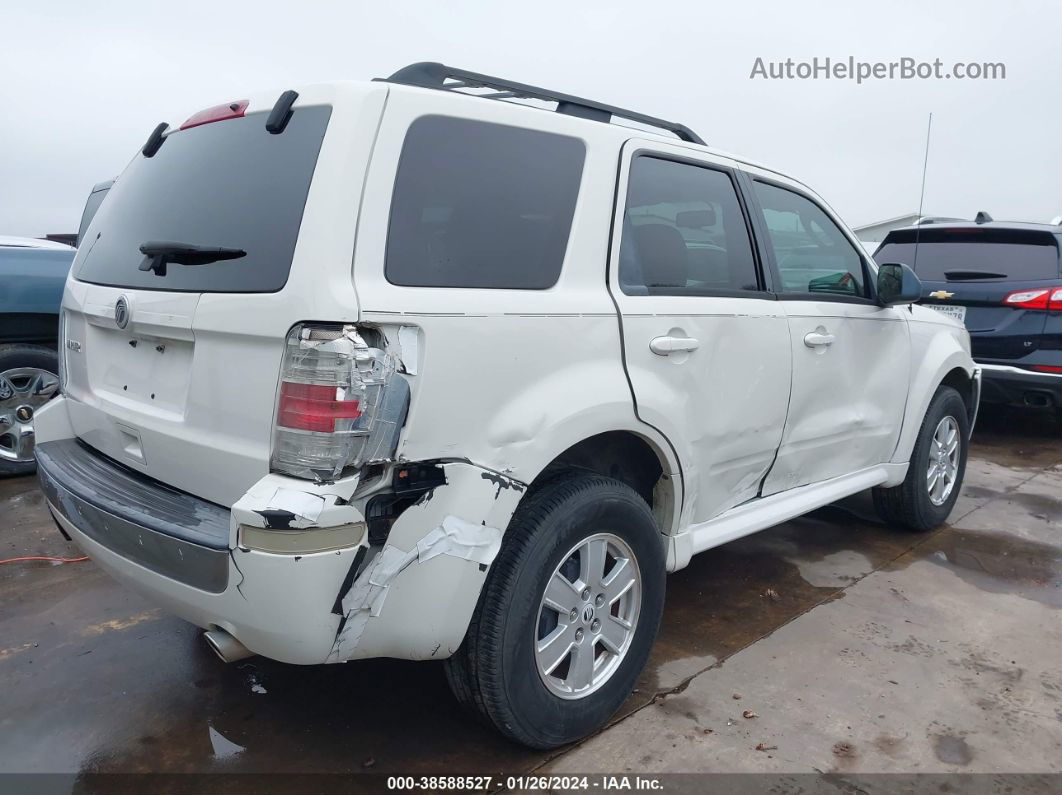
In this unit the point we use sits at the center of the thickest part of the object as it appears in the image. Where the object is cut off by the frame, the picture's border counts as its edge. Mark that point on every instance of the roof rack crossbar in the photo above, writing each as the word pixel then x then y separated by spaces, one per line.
pixel 428 74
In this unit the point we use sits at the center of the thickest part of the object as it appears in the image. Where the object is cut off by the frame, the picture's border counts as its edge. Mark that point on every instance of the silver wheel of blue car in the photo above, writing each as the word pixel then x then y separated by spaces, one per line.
pixel 23 390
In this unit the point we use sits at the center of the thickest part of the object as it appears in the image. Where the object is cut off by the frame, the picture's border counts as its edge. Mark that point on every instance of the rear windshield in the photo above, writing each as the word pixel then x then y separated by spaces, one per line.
pixel 482 205
pixel 974 254
pixel 229 184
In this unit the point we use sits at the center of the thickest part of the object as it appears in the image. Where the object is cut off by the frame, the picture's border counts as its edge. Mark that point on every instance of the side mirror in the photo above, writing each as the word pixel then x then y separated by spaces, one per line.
pixel 898 284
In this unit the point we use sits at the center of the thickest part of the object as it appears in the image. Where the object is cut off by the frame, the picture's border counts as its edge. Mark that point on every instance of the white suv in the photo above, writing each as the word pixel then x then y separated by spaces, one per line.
pixel 390 370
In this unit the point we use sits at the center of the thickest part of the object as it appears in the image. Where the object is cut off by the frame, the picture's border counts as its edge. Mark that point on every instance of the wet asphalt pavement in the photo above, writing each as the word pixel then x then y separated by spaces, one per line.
pixel 96 680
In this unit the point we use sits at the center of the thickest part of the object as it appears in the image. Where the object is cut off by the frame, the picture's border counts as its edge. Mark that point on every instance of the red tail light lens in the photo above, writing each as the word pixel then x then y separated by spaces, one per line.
pixel 1047 368
pixel 230 110
pixel 1036 298
pixel 1028 299
pixel 314 407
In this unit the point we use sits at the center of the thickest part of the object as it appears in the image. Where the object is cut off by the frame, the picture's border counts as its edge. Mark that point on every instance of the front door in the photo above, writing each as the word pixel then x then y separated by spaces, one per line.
pixel 851 357
pixel 706 346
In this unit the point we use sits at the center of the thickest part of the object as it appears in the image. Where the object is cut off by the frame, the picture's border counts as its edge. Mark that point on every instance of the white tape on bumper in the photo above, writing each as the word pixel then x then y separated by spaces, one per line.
pixel 455 537
pixel 300 503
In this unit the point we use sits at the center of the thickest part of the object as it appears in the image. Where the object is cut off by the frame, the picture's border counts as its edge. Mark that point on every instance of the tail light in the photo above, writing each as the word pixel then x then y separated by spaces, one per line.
pixel 1047 298
pixel 341 405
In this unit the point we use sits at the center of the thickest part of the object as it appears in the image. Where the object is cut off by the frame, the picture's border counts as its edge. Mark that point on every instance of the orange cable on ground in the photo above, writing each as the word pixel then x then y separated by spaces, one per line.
pixel 44 557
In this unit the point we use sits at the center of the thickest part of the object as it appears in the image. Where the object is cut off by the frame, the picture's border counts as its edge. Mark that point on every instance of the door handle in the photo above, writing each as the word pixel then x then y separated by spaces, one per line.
pixel 662 346
pixel 818 339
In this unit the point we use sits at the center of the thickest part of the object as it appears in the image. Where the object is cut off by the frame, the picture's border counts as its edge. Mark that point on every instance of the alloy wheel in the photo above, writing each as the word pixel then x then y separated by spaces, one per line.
pixel 587 616
pixel 943 469
pixel 23 390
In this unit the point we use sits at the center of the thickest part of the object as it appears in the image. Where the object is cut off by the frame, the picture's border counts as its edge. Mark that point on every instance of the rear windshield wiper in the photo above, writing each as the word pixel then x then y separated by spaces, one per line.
pixel 961 276
pixel 159 252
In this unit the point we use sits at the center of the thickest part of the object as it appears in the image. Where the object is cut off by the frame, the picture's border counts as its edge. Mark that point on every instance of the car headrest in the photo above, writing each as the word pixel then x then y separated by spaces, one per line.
pixel 663 255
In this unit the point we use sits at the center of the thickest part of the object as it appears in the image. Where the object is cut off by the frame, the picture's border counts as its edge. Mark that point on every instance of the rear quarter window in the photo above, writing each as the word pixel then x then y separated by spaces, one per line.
pixel 481 205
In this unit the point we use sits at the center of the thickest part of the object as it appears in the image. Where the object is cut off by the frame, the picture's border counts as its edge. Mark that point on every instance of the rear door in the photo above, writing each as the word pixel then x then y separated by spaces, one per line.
pixel 173 370
pixel 706 346
pixel 851 357
pixel 968 272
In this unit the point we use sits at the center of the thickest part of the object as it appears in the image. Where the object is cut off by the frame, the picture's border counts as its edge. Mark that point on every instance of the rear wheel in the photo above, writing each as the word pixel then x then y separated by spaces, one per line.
pixel 934 478
pixel 568 614
pixel 28 379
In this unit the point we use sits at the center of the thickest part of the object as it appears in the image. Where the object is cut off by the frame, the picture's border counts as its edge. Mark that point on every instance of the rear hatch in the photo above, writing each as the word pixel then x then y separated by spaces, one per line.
pixel 172 356
pixel 969 272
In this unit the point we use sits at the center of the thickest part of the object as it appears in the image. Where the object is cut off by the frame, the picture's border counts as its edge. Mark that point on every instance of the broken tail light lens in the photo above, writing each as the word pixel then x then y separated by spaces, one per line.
pixel 340 404
pixel 315 407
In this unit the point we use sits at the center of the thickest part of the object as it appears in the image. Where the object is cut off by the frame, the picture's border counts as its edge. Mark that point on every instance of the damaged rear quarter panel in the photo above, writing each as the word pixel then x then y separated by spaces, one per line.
pixel 415 598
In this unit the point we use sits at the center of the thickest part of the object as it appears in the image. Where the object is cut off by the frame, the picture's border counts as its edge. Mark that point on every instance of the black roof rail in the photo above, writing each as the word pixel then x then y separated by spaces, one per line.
pixel 428 74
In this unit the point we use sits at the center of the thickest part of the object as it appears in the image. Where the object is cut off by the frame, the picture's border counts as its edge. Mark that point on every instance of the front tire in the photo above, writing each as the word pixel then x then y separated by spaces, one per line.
pixel 28 379
pixel 938 463
pixel 568 614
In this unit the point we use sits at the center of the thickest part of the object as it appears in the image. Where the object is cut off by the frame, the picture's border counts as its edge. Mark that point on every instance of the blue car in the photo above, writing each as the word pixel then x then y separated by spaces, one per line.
pixel 32 276
pixel 1003 281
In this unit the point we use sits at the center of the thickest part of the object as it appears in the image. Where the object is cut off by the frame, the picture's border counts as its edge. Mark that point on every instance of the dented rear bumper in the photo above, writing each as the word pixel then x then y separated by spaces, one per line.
pixel 409 595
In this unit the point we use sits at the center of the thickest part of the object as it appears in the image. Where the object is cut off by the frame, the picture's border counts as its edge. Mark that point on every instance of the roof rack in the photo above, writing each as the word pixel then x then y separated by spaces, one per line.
pixel 428 74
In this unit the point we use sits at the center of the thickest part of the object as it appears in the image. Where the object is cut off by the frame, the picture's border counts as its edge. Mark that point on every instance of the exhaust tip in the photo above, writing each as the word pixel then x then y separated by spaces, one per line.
pixel 226 647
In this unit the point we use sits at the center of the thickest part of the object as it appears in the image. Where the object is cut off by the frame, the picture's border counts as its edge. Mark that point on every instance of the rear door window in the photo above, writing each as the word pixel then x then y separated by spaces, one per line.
pixel 482 205
pixel 974 254
pixel 227 184
pixel 683 232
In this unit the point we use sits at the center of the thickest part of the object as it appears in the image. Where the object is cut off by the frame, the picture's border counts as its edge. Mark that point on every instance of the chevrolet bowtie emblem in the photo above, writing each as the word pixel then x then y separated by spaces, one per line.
pixel 942 295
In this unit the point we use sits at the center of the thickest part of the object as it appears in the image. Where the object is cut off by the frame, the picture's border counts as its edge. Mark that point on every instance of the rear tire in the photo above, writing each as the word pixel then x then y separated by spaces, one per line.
pixel 28 379
pixel 934 478
pixel 505 671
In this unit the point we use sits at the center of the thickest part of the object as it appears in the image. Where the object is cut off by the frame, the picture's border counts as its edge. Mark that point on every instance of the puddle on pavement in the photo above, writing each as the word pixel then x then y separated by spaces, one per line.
pixel 733 595
pixel 151 697
pixel 1017 437
pixel 1040 506
pixel 999 563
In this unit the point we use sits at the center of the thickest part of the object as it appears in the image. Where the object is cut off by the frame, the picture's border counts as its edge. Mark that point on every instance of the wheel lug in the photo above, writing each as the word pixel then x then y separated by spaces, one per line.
pixel 586 594
pixel 578 636
pixel 595 626
pixel 600 600
pixel 574 614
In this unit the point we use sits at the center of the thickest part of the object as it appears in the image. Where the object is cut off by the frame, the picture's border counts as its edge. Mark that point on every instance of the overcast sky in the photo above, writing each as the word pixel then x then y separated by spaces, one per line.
pixel 82 85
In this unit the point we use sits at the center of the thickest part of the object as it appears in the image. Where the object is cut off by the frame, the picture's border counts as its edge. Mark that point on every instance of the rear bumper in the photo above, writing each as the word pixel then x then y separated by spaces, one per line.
pixel 274 605
pixel 411 597
pixel 1016 386
pixel 170 533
